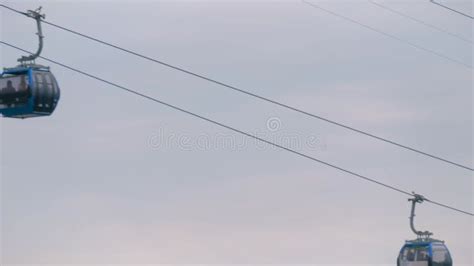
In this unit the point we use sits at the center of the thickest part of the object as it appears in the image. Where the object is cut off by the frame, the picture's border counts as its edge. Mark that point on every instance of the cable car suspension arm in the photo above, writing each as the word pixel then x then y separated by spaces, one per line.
pixel 417 199
pixel 36 15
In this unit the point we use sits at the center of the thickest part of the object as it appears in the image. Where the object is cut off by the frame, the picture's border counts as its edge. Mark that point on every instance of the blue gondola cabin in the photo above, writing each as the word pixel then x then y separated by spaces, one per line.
pixel 29 91
pixel 424 253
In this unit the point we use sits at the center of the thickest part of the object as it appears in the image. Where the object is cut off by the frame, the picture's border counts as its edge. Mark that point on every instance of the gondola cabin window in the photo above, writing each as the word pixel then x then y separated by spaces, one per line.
pixel 441 256
pixel 44 89
pixel 14 91
pixel 415 256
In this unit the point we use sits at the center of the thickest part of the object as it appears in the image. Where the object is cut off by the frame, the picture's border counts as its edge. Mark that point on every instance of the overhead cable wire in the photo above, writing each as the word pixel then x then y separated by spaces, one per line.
pixel 393 37
pixel 452 9
pixel 380 5
pixel 279 146
pixel 263 98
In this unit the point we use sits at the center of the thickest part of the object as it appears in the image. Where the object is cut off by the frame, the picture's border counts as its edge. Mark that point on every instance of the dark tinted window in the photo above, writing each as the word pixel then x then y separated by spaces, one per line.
pixel 415 254
pixel 408 254
pixel 14 91
pixel 44 90
pixel 422 254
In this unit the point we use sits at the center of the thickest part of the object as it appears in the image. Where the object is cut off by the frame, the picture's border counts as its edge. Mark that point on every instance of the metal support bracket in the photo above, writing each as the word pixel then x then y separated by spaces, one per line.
pixel 36 15
pixel 417 199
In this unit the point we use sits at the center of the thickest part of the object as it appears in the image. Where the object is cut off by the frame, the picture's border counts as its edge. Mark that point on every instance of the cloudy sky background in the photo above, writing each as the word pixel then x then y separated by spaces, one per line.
pixel 112 178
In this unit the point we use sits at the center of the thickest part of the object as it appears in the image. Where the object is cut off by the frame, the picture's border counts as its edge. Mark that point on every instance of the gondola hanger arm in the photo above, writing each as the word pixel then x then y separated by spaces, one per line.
pixel 36 15
pixel 417 198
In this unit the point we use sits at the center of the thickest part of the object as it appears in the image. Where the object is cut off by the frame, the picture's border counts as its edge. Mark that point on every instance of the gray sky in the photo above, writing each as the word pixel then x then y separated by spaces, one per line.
pixel 112 178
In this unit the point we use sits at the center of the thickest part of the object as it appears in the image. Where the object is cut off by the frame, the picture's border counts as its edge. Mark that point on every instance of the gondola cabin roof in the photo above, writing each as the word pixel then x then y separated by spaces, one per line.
pixel 24 69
